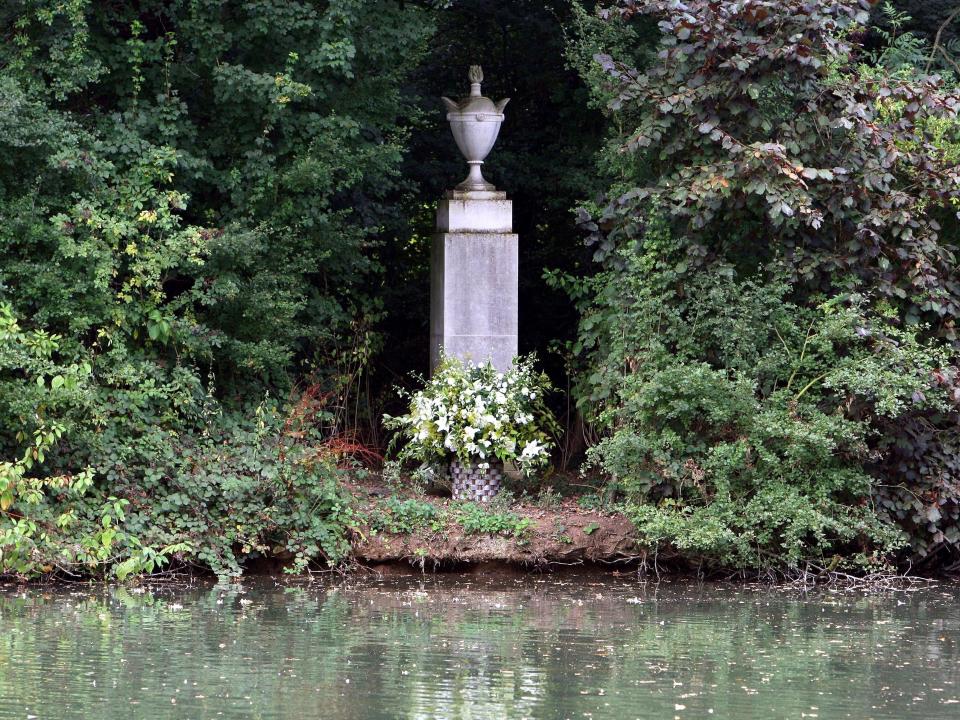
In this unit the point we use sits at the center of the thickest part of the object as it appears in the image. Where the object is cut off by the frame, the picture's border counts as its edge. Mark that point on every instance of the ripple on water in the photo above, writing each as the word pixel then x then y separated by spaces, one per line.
pixel 452 647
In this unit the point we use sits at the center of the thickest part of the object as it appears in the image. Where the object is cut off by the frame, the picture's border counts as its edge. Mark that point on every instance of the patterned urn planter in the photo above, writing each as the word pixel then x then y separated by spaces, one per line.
pixel 473 482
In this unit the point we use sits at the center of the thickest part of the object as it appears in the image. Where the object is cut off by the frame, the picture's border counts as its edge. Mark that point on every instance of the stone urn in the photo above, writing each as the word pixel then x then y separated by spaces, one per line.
pixel 475 480
pixel 475 121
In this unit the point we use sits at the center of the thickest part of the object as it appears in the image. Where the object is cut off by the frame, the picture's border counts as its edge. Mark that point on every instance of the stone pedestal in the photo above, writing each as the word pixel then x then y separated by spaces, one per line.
pixel 474 275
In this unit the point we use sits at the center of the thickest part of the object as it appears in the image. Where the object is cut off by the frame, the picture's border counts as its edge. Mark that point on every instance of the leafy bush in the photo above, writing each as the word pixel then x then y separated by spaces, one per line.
pixel 53 522
pixel 176 472
pixel 749 417
pixel 237 489
pixel 760 345
pixel 918 466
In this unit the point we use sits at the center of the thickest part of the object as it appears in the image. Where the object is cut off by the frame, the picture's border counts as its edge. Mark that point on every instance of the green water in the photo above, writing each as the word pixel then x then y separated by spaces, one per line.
pixel 462 647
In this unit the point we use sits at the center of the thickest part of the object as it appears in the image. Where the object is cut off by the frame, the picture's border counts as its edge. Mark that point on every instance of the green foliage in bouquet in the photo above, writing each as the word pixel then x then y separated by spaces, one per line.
pixel 474 411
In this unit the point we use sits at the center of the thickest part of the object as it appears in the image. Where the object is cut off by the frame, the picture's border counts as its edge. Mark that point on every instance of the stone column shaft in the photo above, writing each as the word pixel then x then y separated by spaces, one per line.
pixel 474 278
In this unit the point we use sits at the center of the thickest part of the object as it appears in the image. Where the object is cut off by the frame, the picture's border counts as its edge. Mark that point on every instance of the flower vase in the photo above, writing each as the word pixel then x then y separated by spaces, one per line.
pixel 475 480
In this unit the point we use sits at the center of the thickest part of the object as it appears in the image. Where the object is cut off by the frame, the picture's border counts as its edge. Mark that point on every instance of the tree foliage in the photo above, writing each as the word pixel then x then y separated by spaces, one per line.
pixel 757 116
pixel 190 196
pixel 215 164
pixel 772 336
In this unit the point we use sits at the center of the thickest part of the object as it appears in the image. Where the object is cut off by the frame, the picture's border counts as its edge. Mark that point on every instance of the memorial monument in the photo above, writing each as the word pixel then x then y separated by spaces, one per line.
pixel 474 264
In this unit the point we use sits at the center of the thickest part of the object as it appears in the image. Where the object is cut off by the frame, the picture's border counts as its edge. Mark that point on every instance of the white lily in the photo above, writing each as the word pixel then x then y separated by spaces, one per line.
pixel 531 450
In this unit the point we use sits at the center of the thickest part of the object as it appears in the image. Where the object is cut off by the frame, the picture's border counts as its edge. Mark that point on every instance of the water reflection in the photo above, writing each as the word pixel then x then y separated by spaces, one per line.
pixel 443 647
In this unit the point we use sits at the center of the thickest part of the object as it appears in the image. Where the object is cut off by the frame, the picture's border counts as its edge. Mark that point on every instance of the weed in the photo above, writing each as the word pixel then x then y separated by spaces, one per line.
pixel 604 500
pixel 476 520
pixel 406 516
pixel 417 482
pixel 502 501
pixel 548 498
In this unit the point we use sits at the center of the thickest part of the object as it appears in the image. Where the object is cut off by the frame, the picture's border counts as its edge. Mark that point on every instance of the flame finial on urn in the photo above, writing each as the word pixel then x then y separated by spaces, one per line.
pixel 475 122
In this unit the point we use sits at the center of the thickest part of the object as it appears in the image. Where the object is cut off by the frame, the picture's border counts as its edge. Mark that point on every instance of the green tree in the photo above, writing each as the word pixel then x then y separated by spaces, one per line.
pixel 779 251
pixel 191 194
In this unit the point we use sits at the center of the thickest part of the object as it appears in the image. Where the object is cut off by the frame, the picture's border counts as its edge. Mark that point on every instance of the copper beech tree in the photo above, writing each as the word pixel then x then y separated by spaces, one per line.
pixel 763 131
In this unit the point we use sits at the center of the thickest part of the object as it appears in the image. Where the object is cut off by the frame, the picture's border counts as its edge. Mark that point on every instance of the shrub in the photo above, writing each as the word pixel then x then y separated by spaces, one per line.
pixel 237 489
pixel 168 471
pixel 53 522
pixel 743 427
pixel 761 346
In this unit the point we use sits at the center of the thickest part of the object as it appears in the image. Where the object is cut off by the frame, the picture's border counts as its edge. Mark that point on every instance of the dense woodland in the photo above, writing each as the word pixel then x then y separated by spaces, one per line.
pixel 739 236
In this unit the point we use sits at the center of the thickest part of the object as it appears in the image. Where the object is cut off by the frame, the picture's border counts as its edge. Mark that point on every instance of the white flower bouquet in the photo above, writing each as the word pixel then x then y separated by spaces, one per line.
pixel 476 414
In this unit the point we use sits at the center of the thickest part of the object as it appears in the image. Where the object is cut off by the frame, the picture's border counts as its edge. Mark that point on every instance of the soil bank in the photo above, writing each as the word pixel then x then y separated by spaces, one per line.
pixel 561 535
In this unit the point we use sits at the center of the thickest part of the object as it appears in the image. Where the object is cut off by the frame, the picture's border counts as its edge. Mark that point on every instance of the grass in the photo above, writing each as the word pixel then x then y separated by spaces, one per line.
pixel 397 516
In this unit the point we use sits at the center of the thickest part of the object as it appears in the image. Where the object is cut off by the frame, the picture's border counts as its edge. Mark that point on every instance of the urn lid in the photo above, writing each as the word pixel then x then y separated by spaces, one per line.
pixel 475 103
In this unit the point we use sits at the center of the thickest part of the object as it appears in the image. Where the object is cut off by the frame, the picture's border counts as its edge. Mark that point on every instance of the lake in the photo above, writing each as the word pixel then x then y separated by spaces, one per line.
pixel 460 646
